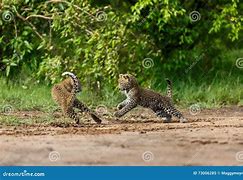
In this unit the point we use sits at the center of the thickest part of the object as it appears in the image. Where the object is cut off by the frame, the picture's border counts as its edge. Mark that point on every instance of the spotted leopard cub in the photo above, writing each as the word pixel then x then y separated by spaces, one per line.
pixel 136 95
pixel 64 94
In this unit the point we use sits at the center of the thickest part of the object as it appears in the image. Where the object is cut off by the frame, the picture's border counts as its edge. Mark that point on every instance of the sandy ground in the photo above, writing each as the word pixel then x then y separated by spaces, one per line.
pixel 211 137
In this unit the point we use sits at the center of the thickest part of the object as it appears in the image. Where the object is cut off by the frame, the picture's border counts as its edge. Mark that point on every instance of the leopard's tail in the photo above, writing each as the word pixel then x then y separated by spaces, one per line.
pixel 169 88
pixel 76 84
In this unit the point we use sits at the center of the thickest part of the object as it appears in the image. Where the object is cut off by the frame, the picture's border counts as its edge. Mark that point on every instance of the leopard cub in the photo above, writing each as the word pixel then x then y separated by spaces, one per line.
pixel 161 105
pixel 64 94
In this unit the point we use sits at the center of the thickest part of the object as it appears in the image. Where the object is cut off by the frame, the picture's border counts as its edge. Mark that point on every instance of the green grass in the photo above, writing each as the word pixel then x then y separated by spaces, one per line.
pixel 218 93
pixel 32 97
pixel 38 97
pixel 227 91
pixel 222 86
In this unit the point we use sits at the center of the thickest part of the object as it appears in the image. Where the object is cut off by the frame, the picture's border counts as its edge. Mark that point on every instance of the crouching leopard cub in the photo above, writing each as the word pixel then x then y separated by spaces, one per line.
pixel 136 95
pixel 64 94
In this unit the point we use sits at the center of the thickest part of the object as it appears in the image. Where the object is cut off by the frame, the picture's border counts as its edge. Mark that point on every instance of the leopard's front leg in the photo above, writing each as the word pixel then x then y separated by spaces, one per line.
pixel 122 104
pixel 130 104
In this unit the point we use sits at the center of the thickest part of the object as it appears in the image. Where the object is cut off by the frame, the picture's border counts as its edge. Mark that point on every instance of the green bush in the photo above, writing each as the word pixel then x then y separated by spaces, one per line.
pixel 97 40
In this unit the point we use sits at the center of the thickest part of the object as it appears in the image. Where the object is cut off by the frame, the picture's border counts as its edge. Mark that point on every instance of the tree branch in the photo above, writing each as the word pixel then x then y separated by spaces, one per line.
pixel 32 26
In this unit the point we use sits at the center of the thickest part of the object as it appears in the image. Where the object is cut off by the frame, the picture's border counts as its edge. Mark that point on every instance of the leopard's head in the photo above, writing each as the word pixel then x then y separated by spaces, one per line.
pixel 126 82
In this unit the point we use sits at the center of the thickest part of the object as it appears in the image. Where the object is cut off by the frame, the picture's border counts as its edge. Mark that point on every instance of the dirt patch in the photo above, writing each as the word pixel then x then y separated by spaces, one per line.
pixel 211 137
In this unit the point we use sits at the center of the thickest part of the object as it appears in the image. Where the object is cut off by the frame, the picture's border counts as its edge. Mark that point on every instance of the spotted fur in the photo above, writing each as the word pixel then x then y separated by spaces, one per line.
pixel 64 94
pixel 161 105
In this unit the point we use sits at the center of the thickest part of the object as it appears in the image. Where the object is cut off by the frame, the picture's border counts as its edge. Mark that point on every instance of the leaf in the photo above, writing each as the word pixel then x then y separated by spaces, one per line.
pixel 28 45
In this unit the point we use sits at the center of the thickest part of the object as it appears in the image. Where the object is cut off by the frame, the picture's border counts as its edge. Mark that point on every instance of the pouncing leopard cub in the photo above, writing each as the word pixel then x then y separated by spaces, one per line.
pixel 64 94
pixel 136 95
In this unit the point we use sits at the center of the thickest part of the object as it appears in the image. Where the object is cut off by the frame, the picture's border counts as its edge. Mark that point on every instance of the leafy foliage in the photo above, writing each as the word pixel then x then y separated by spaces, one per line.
pixel 98 40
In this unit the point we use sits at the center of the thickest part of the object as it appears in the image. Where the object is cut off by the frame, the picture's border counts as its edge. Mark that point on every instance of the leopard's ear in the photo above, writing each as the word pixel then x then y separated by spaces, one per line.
pixel 133 74
pixel 120 75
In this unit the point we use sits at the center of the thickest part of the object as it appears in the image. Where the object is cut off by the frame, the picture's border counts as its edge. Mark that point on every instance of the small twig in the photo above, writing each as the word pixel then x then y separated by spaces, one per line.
pixel 39 16
pixel 50 33
pixel 26 9
pixel 89 32
pixel 15 28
